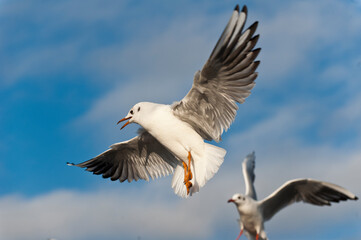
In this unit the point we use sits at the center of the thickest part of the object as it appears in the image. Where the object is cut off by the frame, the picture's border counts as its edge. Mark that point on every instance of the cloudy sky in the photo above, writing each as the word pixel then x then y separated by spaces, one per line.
pixel 70 69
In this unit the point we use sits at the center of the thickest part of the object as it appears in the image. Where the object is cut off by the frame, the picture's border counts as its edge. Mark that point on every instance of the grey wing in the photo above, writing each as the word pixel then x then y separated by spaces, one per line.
pixel 248 166
pixel 139 158
pixel 226 78
pixel 306 190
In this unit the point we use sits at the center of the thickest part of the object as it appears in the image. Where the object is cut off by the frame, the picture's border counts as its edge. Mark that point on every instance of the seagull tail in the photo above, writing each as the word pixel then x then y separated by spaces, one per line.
pixel 203 169
pixel 178 182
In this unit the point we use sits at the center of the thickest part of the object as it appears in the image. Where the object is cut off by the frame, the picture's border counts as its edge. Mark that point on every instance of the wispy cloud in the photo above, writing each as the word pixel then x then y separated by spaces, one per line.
pixel 158 69
pixel 47 38
pixel 302 29
pixel 165 63
pixel 307 121
pixel 107 214
pixel 153 212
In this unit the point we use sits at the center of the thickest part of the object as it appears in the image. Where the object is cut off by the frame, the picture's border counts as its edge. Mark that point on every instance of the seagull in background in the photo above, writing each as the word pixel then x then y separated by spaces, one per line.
pixel 172 136
pixel 254 213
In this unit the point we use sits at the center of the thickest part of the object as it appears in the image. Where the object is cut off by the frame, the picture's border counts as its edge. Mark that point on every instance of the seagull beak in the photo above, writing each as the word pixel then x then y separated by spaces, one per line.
pixel 230 200
pixel 123 119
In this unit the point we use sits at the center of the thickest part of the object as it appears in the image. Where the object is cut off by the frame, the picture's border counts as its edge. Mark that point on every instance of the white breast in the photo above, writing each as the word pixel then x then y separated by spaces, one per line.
pixel 178 136
pixel 250 216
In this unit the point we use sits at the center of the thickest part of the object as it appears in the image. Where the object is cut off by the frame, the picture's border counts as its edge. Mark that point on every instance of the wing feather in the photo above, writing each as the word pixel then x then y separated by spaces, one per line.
pixel 139 158
pixel 227 78
pixel 307 190
pixel 248 167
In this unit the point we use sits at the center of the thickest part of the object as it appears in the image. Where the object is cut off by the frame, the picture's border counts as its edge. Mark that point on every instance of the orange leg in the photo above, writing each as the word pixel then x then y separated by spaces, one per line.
pixel 240 234
pixel 257 236
pixel 189 166
pixel 187 173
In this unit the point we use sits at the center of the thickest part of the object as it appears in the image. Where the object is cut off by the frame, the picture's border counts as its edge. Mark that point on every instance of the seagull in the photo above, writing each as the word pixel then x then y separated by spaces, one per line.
pixel 171 137
pixel 254 213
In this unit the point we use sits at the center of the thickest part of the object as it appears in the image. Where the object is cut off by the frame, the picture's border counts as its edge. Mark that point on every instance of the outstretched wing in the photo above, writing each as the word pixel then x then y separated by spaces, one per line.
pixel 248 166
pixel 226 78
pixel 138 158
pixel 306 190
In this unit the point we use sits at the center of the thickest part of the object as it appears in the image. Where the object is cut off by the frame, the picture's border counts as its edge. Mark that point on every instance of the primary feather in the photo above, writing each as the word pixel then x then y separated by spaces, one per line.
pixel 226 78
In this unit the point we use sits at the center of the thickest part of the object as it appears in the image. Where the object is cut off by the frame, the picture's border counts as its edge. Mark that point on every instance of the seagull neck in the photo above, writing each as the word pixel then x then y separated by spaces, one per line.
pixel 155 118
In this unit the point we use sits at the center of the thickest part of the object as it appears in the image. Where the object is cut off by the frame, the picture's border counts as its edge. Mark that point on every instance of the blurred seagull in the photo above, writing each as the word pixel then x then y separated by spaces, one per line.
pixel 172 136
pixel 254 213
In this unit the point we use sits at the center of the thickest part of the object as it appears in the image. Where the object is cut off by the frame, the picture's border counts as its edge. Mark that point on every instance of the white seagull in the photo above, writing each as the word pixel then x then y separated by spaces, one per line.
pixel 172 136
pixel 254 213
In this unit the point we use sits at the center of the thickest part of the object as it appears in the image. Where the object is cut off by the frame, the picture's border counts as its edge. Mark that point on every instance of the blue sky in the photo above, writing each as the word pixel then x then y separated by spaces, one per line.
pixel 69 70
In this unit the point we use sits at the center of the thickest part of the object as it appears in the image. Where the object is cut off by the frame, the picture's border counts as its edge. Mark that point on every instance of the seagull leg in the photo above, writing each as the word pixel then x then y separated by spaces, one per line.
pixel 240 234
pixel 187 173
pixel 257 236
pixel 189 166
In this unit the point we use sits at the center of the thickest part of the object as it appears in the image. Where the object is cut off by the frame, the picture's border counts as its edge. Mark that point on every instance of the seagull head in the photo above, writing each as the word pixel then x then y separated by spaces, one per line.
pixel 238 199
pixel 132 115
pixel 136 113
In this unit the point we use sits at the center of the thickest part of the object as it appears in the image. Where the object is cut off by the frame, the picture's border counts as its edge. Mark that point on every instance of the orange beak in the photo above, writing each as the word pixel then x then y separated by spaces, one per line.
pixel 123 119
pixel 230 200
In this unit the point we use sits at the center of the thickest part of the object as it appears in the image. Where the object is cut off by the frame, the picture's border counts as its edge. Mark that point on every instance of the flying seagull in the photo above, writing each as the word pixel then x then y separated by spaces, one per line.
pixel 254 213
pixel 172 136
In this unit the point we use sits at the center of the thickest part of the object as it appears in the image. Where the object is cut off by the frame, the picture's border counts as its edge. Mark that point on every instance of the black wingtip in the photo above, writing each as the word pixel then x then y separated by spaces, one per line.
pixel 244 9
pixel 255 38
pixel 256 51
pixel 70 164
pixel 355 198
pixel 254 25
pixel 236 8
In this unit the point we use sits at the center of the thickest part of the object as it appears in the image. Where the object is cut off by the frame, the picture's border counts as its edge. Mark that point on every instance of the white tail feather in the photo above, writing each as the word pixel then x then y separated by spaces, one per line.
pixel 203 169
pixel 178 182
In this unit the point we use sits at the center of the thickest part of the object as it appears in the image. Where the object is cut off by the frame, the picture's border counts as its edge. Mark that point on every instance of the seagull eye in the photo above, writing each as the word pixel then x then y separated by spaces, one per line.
pixel 239 197
pixel 131 111
pixel 138 109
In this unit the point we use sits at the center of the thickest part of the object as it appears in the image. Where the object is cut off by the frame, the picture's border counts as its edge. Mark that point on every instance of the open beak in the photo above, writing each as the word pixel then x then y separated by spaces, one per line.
pixel 123 119
pixel 230 200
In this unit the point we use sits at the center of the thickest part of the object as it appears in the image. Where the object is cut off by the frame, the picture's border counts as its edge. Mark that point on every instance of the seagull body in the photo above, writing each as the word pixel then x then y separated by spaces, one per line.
pixel 254 213
pixel 171 139
pixel 177 136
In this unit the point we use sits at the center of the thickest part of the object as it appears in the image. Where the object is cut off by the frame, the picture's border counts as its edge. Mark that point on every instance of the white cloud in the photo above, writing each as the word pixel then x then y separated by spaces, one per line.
pixel 103 214
pixel 50 38
pixel 167 62
pixel 282 127
pixel 298 30
pixel 288 39
pixel 345 120
pixel 37 35
pixel 158 69
pixel 48 60
pixel 152 211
